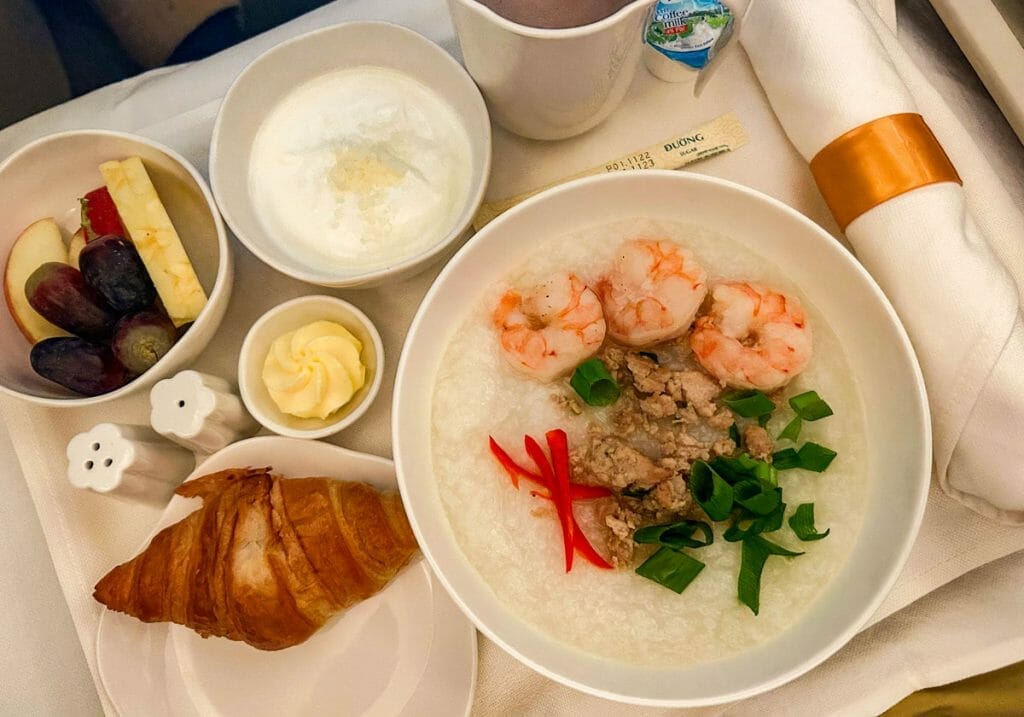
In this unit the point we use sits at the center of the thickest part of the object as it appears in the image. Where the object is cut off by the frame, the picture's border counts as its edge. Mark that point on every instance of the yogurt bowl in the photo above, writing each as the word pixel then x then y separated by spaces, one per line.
pixel 352 155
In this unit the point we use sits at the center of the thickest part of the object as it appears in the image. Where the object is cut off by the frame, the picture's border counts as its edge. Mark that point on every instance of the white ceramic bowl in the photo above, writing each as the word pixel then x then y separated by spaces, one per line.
pixel 876 347
pixel 292 315
pixel 274 74
pixel 46 179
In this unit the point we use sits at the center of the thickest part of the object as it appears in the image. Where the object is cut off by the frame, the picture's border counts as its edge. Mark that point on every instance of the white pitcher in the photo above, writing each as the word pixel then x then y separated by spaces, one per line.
pixel 550 84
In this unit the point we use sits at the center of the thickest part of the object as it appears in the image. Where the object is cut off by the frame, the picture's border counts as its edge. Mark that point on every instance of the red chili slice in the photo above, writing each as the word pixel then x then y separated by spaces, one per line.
pixel 561 495
pixel 513 469
pixel 579 540
pixel 558 446
pixel 554 480
pixel 577 492
pixel 583 546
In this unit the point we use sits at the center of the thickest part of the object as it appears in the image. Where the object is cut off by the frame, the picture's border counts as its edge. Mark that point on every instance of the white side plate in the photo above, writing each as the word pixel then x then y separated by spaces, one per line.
pixel 378 658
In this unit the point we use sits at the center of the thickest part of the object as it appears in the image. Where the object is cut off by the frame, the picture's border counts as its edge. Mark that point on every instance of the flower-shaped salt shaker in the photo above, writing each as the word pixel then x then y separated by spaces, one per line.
pixel 131 462
pixel 199 411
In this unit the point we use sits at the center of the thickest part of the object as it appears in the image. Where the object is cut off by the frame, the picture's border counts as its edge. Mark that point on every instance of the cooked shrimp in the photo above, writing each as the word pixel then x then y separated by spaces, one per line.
pixel 652 292
pixel 752 337
pixel 550 328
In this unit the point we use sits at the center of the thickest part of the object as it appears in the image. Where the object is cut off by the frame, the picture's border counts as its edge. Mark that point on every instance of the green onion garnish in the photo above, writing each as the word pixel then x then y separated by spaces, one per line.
pixel 786 459
pixel 814 457
pixel 802 523
pixel 710 490
pixel 594 384
pixel 743 467
pixel 756 497
pixel 755 552
pixel 810 457
pixel 749 403
pixel 676 535
pixel 745 524
pixel 792 429
pixel 670 568
pixel 763 419
pixel 810 406
pixel 734 434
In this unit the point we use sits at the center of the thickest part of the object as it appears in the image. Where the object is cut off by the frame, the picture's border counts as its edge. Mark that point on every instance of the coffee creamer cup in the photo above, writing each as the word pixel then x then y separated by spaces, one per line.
pixel 682 37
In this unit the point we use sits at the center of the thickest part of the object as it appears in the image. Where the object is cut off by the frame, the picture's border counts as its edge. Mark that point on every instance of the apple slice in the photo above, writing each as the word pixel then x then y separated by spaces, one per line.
pixel 39 243
pixel 76 246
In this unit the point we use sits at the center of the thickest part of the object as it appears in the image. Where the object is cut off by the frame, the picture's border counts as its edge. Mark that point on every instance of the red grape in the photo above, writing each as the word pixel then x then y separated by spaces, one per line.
pixel 82 366
pixel 113 267
pixel 140 340
pixel 59 292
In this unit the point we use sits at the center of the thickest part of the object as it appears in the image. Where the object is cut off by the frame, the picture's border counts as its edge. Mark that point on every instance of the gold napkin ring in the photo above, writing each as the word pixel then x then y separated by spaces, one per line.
pixel 877 161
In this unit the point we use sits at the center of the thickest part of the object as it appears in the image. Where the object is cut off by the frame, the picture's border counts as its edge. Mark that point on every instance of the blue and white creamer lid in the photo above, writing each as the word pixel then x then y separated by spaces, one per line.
pixel 689 32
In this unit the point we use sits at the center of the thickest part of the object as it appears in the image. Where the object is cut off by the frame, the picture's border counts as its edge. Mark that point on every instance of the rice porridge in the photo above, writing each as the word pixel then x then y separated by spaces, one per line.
pixel 514 539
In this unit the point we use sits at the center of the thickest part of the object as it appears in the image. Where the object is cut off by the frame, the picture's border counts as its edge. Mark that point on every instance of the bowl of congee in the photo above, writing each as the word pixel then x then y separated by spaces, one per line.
pixel 661 437
pixel 351 155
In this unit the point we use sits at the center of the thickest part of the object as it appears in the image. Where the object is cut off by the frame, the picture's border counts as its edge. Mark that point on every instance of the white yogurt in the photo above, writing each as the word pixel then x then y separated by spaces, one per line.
pixel 360 168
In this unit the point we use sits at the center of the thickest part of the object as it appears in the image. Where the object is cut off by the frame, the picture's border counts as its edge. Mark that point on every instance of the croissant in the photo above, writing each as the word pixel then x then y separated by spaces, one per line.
pixel 266 560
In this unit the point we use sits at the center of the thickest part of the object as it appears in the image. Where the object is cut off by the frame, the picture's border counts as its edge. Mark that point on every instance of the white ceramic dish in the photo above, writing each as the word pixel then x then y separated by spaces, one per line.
pixel 878 352
pixel 292 315
pixel 405 651
pixel 46 179
pixel 274 74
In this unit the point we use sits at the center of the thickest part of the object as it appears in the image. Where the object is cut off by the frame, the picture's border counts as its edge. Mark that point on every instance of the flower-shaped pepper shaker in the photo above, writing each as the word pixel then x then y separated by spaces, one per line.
pixel 127 461
pixel 199 411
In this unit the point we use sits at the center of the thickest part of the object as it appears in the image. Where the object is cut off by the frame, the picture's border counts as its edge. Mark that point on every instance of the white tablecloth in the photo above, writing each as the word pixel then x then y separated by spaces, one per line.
pixel 968 626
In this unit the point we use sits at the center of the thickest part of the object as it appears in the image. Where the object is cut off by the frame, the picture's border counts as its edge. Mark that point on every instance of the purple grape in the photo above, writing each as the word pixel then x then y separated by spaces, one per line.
pixel 112 266
pixel 85 367
pixel 140 340
pixel 60 294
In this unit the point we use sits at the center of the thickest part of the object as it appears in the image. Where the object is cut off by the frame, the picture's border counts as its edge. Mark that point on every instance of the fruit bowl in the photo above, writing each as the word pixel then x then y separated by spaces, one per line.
pixel 46 179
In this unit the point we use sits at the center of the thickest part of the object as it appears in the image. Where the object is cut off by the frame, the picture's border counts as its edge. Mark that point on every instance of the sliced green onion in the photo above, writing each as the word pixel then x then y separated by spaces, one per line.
pixel 792 429
pixel 786 459
pixel 773 521
pixel 745 524
pixel 810 406
pixel 749 403
pixel 734 434
pixel 756 497
pixel 766 474
pixel 594 384
pixel 710 490
pixel 815 458
pixel 802 523
pixel 755 552
pixel 743 467
pixel 670 568
pixel 775 548
pixel 676 535
pixel 763 419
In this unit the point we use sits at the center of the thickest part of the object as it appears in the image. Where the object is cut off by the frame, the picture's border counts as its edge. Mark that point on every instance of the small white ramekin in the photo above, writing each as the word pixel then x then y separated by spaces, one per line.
pixel 292 315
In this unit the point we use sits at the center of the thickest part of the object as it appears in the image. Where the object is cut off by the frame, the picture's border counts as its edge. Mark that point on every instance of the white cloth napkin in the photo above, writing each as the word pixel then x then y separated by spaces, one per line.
pixel 826 70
